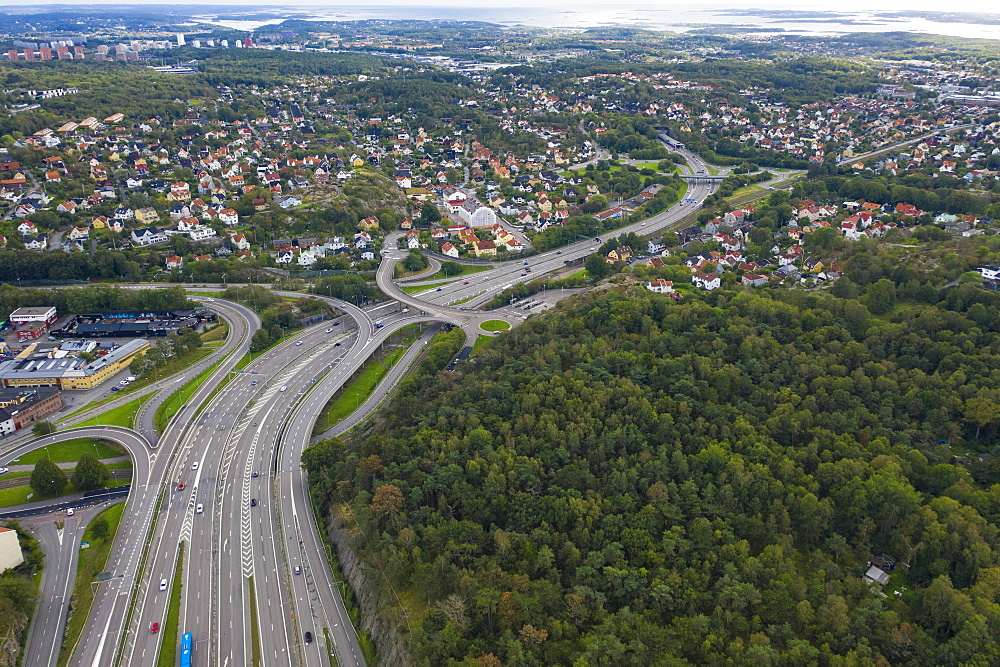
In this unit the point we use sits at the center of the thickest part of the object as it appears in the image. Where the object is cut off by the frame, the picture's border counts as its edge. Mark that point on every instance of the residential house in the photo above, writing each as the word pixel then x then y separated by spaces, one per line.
pixel 660 286
pixel 707 281
pixel 148 236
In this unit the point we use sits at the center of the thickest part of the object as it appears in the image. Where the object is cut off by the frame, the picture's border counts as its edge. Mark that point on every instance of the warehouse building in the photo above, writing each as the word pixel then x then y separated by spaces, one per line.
pixel 132 325
pixel 70 372
pixel 20 408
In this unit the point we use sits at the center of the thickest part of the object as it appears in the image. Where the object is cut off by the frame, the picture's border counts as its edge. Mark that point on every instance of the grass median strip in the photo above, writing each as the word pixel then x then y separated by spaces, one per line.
pixel 176 400
pixel 123 415
pixel 254 630
pixel 416 289
pixel 170 628
pixel 91 563
pixel 356 391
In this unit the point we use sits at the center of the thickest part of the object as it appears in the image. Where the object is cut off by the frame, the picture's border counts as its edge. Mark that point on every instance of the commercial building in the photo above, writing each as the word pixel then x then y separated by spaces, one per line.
pixel 70 372
pixel 20 408
pixel 10 549
pixel 132 325
pixel 31 322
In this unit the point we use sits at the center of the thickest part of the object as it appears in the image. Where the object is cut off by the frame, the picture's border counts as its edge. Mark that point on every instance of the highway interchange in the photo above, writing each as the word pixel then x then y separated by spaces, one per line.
pixel 252 552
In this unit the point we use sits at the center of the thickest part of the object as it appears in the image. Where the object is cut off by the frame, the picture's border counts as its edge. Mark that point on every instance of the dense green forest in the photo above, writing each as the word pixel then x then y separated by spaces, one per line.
pixel 630 480
pixel 95 299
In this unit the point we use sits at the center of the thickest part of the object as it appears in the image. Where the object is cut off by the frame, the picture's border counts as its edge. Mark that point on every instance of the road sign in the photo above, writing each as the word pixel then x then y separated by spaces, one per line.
pixel 84 545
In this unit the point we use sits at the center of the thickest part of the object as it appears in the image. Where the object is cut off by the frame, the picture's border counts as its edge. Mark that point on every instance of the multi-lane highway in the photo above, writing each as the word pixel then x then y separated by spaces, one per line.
pixel 254 576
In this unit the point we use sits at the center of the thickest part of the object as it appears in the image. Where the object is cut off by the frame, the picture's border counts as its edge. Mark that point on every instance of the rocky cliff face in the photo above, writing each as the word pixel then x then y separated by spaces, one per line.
pixel 376 611
pixel 10 644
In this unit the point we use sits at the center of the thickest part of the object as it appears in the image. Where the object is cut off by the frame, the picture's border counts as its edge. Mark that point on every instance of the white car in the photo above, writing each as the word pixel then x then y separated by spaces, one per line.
pixel 163 584
pixel 123 382
pixel 283 388
pixel 199 509
pixel 69 512
pixel 4 471
pixel 130 378
pixel 298 342
pixel 194 466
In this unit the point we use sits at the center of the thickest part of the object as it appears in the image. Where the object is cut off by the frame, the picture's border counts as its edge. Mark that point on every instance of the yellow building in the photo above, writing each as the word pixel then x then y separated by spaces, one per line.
pixel 70 372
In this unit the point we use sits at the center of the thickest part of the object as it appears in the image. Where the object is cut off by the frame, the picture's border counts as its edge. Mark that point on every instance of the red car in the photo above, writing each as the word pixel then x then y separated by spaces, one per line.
pixel 180 487
pixel 466 282
pixel 154 628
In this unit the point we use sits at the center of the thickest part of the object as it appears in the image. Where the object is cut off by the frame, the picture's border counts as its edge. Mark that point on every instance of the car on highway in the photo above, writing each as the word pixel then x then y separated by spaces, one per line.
pixel 438 289
pixel 466 282
pixel 256 473
pixel 4 471
pixel 180 486
pixel 154 628
pixel 253 383
pixel 309 637
pixel 253 502
pixel 336 324
pixel 330 330
pixel 336 344
pixel 283 388
pixel 558 252
pixel 194 466
pixel 199 509
pixel 525 262
pixel 298 570
pixel 643 224
pixel 298 342
pixel 163 584
pixel 69 511
pixel 378 325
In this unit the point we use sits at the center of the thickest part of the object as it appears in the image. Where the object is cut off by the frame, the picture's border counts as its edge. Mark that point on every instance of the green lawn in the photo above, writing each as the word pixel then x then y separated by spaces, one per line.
pixel 580 274
pixel 467 269
pixel 416 289
pixel 746 190
pixel 71 450
pixel 481 340
pixel 176 400
pixel 494 325
pixel 712 170
pixel 356 391
pixel 91 563
pixel 123 415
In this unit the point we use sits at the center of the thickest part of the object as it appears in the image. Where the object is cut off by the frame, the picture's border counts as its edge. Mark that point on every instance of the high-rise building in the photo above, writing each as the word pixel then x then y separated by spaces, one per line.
pixel 180 39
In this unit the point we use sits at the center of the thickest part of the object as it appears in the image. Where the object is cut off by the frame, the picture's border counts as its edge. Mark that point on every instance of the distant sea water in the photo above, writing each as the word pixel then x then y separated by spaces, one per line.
pixel 676 18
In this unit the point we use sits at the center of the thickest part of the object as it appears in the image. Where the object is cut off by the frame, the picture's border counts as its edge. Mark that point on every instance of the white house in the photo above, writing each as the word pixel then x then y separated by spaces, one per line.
pixel 229 216
pixel 27 227
pixel 148 236
pixel 660 286
pixel 40 242
pixel 707 281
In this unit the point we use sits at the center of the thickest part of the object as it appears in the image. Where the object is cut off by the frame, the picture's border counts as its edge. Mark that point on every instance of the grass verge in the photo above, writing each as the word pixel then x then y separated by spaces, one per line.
pixel 467 270
pixel 481 340
pixel 71 450
pixel 176 400
pixel 91 563
pixel 356 391
pixel 416 289
pixel 19 495
pixel 123 415
pixel 254 630
pixel 171 626
pixel 175 365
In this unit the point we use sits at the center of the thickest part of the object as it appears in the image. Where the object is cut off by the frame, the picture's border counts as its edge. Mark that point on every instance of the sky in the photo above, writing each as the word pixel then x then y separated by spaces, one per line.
pixel 987 6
